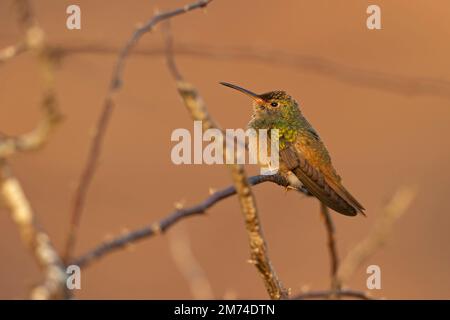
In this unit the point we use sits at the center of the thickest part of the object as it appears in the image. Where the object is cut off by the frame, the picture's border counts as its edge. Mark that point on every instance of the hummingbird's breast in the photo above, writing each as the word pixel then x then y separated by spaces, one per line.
pixel 287 132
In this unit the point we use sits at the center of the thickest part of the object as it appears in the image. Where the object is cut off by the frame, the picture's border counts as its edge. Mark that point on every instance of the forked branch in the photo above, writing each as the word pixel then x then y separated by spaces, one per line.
pixel 105 115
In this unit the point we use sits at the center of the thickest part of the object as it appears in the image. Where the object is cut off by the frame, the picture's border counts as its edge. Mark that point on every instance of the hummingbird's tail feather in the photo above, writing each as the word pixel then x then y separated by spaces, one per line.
pixel 331 193
pixel 326 194
pixel 344 194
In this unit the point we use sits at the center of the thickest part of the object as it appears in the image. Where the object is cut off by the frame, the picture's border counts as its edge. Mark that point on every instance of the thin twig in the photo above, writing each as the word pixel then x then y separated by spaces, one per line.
pixel 304 63
pixel 328 294
pixel 161 226
pixel 396 207
pixel 36 138
pixel 35 41
pixel 33 34
pixel 12 51
pixel 39 136
pixel 37 241
pixel 331 242
pixel 103 121
pixel 25 14
pixel 258 247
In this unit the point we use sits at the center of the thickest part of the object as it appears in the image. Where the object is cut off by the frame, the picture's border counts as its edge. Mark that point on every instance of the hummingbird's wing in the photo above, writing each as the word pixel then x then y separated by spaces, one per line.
pixel 312 166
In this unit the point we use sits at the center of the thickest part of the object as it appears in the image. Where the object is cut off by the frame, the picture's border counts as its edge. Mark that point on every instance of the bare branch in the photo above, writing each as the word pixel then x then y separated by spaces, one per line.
pixel 331 242
pixel 187 264
pixel 33 34
pixel 396 207
pixel 25 14
pixel 35 40
pixel 37 241
pixel 38 137
pixel 12 51
pixel 258 247
pixel 329 294
pixel 103 121
pixel 161 226
pixel 304 63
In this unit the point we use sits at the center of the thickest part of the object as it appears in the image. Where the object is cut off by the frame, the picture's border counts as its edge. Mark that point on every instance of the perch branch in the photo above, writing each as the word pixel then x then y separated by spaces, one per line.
pixel 37 241
pixel 258 247
pixel 105 115
pixel 395 208
pixel 161 226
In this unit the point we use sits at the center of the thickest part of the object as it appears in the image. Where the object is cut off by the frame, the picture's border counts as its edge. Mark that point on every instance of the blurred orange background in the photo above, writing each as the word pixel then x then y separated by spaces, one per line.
pixel 381 137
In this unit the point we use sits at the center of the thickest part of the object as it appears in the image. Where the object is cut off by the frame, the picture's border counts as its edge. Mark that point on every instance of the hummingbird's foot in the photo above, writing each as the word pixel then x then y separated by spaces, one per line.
pixel 287 188
pixel 294 182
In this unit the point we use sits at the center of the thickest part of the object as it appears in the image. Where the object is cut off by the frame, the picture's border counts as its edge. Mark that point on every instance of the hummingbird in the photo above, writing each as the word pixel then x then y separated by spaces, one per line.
pixel 304 159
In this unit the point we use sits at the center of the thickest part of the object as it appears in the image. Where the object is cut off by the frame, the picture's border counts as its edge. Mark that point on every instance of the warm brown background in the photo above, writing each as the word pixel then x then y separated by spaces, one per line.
pixel 379 139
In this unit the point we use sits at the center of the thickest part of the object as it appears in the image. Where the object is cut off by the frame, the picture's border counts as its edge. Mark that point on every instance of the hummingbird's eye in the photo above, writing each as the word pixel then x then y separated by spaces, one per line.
pixel 274 104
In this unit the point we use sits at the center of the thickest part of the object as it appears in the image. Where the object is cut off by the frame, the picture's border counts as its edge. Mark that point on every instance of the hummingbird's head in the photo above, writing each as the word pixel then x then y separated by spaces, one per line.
pixel 273 104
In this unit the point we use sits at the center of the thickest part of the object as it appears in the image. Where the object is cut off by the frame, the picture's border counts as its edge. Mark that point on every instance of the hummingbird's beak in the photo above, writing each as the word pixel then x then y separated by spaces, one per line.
pixel 252 95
